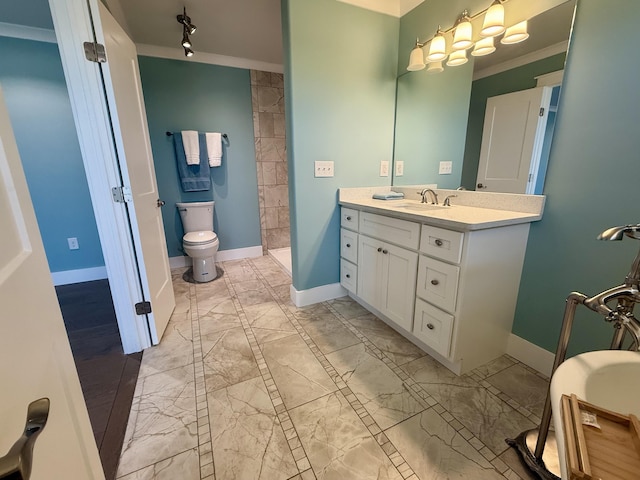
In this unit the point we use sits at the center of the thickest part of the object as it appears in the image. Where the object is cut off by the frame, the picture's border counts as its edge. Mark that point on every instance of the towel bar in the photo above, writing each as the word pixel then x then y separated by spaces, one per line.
pixel 224 135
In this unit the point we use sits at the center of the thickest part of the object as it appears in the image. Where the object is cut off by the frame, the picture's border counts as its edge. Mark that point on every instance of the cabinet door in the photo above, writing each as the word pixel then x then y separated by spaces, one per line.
pixel 398 284
pixel 369 268
pixel 349 245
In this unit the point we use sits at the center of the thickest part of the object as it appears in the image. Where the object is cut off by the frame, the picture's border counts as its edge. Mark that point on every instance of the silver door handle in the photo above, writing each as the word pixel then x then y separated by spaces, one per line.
pixel 16 464
pixel 160 203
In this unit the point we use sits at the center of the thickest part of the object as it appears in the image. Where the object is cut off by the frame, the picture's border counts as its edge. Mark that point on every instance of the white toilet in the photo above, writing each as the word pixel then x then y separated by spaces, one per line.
pixel 199 241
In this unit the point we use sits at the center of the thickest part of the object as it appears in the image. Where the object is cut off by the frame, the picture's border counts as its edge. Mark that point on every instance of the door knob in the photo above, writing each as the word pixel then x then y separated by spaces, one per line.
pixel 435 282
pixel 348 245
pixel 430 326
pixel 480 185
pixel 16 464
pixel 379 249
pixel 160 203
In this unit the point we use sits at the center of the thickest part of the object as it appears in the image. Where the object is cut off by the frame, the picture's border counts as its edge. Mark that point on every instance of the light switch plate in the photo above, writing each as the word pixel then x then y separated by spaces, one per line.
pixel 323 169
pixel 399 168
pixel 384 168
pixel 73 243
pixel 445 168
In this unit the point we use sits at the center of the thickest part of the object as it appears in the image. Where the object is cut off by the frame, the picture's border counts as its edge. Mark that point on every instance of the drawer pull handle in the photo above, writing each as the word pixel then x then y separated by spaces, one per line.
pixel 385 251
pixel 379 249
pixel 435 281
pixel 348 276
pixel 348 245
pixel 430 326
pixel 438 242
pixel 348 218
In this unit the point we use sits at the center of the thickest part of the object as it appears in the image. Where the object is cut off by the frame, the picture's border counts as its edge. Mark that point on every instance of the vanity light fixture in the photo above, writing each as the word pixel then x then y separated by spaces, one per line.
pixel 463 33
pixel 416 59
pixel 457 57
pixel 188 28
pixel 483 47
pixel 493 20
pixel 437 49
pixel 516 34
pixel 463 39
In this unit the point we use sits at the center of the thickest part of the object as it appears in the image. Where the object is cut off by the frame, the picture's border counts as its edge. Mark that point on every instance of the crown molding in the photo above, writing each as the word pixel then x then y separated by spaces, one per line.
pixel 522 60
pixel 209 58
pixel 27 33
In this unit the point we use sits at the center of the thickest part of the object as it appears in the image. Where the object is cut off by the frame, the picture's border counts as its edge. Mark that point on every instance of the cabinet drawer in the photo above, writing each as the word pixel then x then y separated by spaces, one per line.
pixel 349 245
pixel 441 243
pixel 349 218
pixel 393 230
pixel 433 326
pixel 438 282
pixel 348 275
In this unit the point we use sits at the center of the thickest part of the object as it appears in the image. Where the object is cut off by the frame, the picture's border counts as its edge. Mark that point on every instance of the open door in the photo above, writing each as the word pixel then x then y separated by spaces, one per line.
pixel 123 88
pixel 35 356
pixel 108 108
pixel 512 140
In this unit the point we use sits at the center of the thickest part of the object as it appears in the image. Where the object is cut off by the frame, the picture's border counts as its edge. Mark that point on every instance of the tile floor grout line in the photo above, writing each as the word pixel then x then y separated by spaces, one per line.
pixel 302 463
pixel 374 429
pixel 422 393
pixel 205 446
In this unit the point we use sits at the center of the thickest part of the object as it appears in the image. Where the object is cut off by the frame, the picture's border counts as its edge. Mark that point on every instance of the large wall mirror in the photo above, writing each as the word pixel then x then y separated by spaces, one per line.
pixel 441 117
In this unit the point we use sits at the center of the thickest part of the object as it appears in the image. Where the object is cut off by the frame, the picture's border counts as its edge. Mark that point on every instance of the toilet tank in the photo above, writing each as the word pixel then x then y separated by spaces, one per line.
pixel 196 216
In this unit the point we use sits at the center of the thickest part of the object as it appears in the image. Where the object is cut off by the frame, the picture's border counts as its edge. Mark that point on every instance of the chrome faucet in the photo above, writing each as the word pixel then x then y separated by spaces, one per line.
pixel 425 196
pixel 447 201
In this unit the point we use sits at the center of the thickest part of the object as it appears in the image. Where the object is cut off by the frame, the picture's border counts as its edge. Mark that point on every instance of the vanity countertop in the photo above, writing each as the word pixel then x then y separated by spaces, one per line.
pixel 456 217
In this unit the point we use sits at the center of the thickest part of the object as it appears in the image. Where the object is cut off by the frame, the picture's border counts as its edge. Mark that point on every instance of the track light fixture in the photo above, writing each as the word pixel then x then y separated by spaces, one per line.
pixel 188 28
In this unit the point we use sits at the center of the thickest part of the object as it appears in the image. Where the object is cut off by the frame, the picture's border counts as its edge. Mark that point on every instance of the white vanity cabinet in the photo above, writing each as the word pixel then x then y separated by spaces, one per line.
pixel 451 292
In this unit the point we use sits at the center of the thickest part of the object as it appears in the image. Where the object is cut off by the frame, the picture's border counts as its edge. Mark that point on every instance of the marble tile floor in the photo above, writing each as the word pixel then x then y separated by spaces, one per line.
pixel 246 386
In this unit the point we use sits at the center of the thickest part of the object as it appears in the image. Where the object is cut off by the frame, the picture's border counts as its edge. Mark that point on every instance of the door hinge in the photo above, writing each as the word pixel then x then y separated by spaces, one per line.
pixel 542 111
pixel 121 194
pixel 95 52
pixel 530 178
pixel 143 308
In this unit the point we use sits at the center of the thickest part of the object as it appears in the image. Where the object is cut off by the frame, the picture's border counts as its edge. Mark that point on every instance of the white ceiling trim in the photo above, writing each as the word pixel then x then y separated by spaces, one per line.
pixel 395 8
pixel 523 60
pixel 27 33
pixel 209 58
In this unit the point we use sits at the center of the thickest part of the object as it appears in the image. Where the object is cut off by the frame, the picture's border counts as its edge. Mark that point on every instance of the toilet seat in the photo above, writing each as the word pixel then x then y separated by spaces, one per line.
pixel 198 239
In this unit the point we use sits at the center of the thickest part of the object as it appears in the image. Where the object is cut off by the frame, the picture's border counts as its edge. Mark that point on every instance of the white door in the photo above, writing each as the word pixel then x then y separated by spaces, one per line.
pixel 398 277
pixel 512 139
pixel 35 357
pixel 369 268
pixel 129 120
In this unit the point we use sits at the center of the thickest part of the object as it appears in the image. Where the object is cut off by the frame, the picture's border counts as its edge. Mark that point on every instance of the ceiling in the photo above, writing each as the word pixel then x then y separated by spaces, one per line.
pixel 251 29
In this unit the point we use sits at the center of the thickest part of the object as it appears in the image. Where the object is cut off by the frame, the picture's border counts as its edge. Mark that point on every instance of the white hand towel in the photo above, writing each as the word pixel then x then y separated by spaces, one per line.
pixel 214 149
pixel 191 146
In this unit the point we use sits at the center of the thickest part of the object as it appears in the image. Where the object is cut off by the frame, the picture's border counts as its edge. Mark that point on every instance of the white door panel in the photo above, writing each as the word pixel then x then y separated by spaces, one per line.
pixel 124 93
pixel 35 356
pixel 512 139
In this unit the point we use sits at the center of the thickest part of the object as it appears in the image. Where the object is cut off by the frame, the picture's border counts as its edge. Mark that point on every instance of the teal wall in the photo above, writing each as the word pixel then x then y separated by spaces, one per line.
pixel 340 74
pixel 514 80
pixel 34 87
pixel 592 180
pixel 182 95
pixel 432 110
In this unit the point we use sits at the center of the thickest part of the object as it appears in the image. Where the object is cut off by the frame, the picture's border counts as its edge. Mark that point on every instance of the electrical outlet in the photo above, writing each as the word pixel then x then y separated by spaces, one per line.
pixel 73 243
pixel 445 168
pixel 323 169
pixel 384 168
pixel 399 168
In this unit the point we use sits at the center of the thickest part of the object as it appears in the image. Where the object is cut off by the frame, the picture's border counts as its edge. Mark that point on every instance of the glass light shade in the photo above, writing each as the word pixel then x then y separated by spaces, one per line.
pixel 484 46
pixel 437 48
pixel 416 60
pixel 457 57
pixel 516 34
pixel 462 35
pixel 435 67
pixel 493 20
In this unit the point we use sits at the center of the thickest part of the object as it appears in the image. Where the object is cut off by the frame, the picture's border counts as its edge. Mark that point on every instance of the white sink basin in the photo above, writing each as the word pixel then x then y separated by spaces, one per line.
pixel 606 378
pixel 419 207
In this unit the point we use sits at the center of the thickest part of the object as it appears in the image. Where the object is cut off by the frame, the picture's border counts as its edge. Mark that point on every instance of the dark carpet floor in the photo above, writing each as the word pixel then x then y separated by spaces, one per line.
pixel 108 376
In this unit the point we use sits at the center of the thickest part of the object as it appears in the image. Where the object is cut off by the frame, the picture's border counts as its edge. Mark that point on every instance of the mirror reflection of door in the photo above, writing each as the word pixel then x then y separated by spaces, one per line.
pixel 516 132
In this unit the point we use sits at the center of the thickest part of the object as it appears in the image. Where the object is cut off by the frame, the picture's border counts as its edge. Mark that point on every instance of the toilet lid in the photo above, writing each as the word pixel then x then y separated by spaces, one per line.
pixel 198 238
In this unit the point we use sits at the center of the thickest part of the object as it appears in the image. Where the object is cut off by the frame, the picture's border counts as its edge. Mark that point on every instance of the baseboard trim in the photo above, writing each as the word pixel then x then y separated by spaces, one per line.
pixel 67 277
pixel 302 298
pixel 221 256
pixel 530 354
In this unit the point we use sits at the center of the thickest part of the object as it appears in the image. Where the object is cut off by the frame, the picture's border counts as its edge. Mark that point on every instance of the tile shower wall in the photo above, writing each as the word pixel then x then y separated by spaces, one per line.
pixel 267 95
